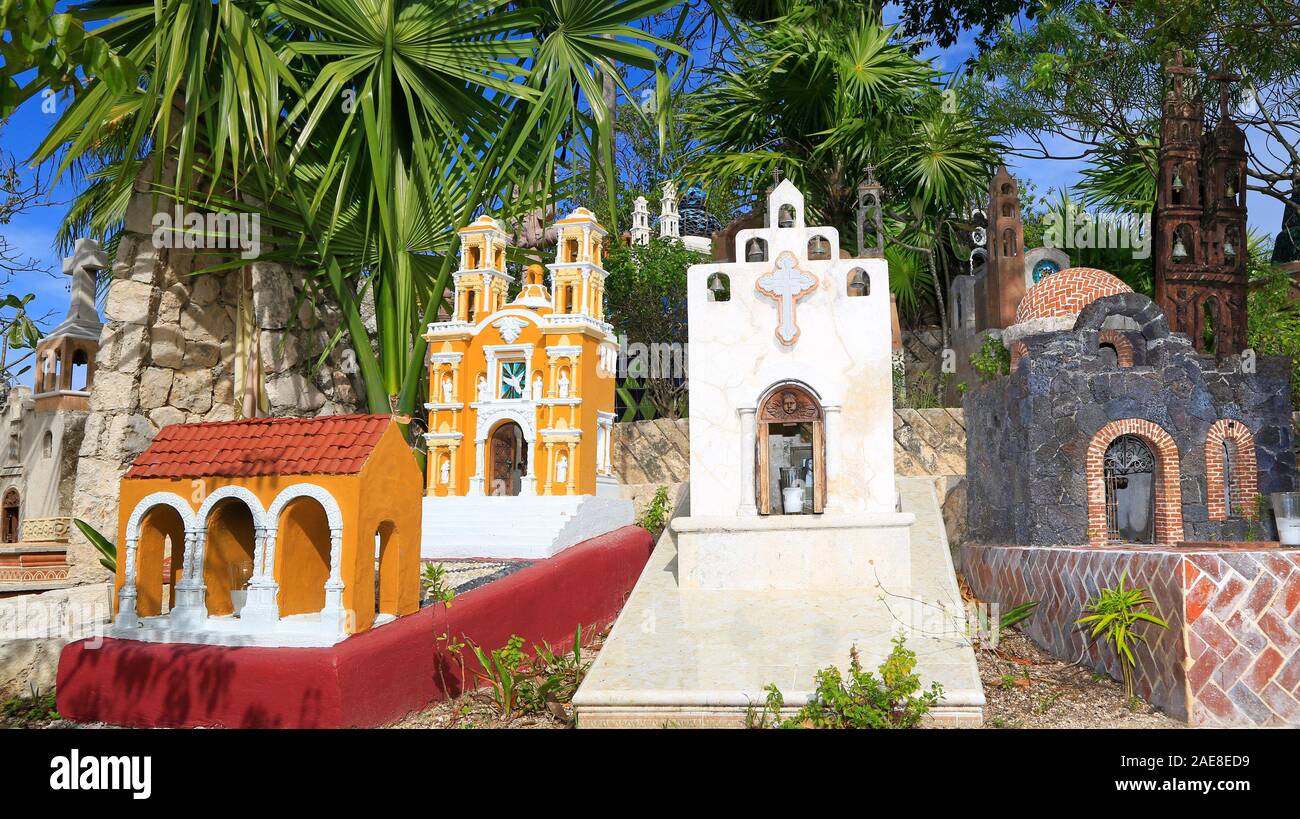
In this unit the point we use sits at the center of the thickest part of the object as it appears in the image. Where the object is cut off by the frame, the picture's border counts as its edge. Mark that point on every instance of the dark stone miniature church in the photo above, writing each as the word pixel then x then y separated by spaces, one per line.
pixel 1111 429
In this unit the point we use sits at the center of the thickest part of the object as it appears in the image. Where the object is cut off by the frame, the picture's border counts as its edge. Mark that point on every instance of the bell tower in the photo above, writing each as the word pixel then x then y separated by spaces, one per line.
pixel 1005 280
pixel 1200 219
pixel 482 282
pixel 66 357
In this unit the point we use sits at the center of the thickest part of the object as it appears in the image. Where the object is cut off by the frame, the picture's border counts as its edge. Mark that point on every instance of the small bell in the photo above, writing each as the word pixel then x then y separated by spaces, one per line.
pixel 819 248
pixel 755 252
pixel 1231 191
pixel 1180 251
pixel 786 217
pixel 1178 182
pixel 858 285
pixel 1228 249
pixel 717 288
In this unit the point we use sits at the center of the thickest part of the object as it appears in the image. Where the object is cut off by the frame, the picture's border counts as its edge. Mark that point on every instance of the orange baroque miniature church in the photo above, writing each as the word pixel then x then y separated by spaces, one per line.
pixel 521 402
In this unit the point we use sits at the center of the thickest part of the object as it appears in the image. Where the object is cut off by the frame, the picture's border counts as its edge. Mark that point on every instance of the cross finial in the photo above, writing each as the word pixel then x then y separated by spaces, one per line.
pixel 786 285
pixel 1176 71
pixel 1223 78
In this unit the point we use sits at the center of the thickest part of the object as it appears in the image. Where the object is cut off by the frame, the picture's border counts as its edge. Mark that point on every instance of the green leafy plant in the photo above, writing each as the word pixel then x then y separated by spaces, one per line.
pixel 107 551
pixel 502 671
pixel 1115 613
pixel 1018 614
pixel 30 710
pixel 434 582
pixel 555 677
pixel 894 700
pixel 992 360
pixel 655 517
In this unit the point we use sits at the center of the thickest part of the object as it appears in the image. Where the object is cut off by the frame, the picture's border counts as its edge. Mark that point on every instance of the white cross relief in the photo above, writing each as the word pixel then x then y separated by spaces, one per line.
pixel 787 284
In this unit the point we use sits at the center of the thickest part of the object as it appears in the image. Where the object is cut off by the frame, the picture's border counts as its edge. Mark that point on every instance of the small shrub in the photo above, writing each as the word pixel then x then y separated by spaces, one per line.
pixel 35 709
pixel 555 677
pixel 894 700
pixel 434 582
pixel 655 517
pixel 1115 613
pixel 991 360
pixel 502 673
pixel 520 685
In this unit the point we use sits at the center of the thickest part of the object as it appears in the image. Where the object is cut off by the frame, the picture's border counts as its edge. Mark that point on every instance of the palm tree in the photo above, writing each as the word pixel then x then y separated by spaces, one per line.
pixel 827 91
pixel 364 131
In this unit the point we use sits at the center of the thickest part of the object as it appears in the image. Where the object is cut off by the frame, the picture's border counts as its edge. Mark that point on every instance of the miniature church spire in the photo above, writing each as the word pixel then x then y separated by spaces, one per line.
pixel 640 222
pixel 669 227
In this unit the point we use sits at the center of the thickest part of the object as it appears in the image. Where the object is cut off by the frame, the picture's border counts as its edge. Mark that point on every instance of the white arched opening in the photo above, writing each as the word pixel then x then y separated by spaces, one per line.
pixel 265 586
pixel 127 616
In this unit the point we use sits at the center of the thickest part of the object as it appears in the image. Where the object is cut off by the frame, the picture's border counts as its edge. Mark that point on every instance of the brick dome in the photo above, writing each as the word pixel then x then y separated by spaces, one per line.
pixel 1066 293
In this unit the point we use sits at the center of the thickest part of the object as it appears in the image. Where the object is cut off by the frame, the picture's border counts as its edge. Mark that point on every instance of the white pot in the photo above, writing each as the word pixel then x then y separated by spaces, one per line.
pixel 1288 531
pixel 792 500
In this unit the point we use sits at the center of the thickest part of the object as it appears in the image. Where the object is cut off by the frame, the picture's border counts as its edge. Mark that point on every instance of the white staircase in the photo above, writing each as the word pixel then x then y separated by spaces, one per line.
pixel 529 527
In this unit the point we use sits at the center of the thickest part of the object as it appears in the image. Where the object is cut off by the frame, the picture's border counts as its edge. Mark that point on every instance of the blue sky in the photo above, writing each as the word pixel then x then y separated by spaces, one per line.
pixel 33 232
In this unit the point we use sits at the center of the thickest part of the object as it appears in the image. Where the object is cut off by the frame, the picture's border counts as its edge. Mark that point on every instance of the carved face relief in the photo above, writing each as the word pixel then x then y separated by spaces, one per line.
pixel 789 403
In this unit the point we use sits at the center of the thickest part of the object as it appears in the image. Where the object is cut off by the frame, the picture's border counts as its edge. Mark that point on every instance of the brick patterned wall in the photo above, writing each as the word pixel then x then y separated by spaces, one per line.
pixel 1068 292
pixel 1243 642
pixel 1169 496
pixel 1245 474
pixel 1231 656
pixel 1062 579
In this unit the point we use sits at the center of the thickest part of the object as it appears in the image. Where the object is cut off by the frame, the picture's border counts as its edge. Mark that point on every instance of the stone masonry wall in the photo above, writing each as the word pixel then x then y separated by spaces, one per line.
pixel 926 442
pixel 167 356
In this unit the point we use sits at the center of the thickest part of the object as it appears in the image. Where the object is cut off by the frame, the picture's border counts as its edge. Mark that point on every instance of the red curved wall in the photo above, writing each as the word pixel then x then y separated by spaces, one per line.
pixel 367 680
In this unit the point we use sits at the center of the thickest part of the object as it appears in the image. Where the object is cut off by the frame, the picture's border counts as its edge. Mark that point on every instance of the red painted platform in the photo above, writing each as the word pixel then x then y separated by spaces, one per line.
pixel 367 680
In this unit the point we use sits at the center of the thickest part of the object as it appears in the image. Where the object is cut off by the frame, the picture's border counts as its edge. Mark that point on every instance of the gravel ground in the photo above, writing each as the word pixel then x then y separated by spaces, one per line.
pixel 1028 688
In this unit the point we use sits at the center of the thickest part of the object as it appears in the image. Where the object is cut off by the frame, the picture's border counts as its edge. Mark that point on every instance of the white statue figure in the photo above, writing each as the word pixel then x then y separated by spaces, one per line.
pixel 537 388
pixel 482 388
pixel 445 471
pixel 562 469
pixel 564 384
pixel 446 389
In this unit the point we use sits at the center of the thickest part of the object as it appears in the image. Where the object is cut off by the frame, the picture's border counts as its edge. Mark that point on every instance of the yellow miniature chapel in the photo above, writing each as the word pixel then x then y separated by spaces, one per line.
pixel 521 393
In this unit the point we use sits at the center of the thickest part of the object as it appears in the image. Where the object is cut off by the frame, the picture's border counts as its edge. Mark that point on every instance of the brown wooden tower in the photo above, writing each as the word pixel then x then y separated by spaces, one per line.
pixel 1005 280
pixel 1200 220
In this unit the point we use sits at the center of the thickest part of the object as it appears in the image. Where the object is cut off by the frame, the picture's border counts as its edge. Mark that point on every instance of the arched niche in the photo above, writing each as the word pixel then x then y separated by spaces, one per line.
pixel 791 435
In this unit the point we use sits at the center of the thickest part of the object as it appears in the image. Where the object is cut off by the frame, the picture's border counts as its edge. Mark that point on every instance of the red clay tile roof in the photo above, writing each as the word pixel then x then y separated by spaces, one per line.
pixel 329 445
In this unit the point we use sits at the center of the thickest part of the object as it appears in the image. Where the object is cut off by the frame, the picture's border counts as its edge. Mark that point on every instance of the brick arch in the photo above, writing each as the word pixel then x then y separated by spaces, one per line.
pixel 1245 472
pixel 1168 490
pixel 1123 347
pixel 1018 351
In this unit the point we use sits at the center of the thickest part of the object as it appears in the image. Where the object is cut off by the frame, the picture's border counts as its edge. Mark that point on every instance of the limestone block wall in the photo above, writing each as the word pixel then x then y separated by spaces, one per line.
pixel 168 356
pixel 926 442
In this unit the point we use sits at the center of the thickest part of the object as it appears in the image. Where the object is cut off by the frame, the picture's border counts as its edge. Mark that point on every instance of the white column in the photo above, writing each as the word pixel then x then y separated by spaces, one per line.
pixel 833 443
pixel 333 616
pixel 261 607
pixel 126 611
pixel 748 505
pixel 586 276
pixel 476 482
pixel 191 612
pixel 528 486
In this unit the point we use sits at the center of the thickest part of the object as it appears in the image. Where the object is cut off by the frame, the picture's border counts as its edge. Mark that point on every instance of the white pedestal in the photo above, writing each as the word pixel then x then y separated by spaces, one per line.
pixel 796 552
